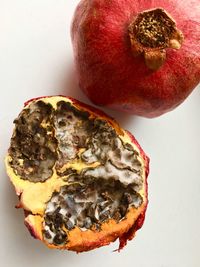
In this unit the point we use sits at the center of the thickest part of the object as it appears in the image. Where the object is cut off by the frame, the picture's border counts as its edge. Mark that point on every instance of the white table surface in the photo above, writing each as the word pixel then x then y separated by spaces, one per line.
pixel 35 60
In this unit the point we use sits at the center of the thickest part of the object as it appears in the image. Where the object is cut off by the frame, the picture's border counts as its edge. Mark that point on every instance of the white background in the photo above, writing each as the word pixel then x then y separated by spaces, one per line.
pixel 35 60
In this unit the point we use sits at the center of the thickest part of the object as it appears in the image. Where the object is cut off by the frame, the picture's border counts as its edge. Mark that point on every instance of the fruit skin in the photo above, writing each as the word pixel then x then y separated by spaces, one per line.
pixel 84 241
pixel 111 76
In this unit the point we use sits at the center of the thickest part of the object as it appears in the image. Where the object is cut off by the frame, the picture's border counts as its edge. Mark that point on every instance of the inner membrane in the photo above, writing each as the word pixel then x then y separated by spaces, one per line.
pixel 47 140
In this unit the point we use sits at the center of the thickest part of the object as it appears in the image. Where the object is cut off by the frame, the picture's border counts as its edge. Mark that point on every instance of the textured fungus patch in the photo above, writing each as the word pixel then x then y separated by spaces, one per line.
pixel 83 173
pixel 33 145
pixel 71 130
pixel 87 204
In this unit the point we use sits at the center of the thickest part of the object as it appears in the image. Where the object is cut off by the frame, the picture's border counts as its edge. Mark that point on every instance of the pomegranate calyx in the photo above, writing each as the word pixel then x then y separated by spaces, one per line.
pixel 151 32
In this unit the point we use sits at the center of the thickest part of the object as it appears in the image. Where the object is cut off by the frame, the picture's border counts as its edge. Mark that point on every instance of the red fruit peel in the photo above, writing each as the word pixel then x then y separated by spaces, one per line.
pixel 140 57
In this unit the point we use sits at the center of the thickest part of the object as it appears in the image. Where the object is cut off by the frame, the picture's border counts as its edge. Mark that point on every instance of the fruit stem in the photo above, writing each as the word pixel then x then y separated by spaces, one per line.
pixel 151 32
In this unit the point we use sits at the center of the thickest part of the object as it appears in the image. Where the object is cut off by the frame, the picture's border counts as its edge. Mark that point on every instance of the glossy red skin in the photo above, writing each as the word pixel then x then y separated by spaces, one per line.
pixel 108 72
pixel 139 222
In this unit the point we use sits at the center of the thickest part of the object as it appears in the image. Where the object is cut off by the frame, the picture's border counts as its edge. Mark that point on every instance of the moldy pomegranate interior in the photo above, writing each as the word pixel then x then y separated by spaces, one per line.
pixel 80 178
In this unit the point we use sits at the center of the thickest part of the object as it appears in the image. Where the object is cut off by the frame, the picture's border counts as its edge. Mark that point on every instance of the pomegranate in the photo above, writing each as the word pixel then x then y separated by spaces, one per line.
pixel 80 178
pixel 140 57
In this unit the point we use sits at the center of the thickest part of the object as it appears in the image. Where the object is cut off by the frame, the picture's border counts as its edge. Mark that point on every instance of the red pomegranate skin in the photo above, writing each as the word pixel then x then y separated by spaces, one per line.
pixel 111 76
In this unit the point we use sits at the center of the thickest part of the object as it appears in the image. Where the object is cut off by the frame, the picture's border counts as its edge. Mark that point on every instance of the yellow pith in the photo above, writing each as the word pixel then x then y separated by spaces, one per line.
pixel 78 165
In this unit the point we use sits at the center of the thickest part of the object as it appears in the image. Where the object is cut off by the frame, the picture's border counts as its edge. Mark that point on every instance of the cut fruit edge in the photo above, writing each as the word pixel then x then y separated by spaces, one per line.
pixel 81 240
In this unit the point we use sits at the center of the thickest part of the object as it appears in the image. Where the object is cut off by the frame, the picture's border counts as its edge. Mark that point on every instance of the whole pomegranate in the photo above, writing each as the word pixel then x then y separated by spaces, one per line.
pixel 141 57
pixel 80 178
